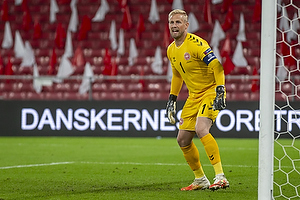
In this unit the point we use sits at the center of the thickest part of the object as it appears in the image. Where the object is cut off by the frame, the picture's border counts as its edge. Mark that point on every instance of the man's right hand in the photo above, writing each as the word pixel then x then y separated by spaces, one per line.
pixel 171 108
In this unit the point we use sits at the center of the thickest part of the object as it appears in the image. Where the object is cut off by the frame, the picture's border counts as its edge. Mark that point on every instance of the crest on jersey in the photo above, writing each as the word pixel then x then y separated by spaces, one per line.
pixel 180 121
pixel 187 56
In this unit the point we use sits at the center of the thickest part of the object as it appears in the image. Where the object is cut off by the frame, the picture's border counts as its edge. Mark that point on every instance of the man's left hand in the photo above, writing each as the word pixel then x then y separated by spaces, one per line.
pixel 219 102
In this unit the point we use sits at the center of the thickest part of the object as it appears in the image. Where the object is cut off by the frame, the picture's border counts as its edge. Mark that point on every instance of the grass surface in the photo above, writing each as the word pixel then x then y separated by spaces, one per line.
pixel 118 168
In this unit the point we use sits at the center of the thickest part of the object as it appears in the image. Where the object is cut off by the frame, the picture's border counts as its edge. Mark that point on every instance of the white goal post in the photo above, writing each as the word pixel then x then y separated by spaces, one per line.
pixel 279 147
pixel 267 100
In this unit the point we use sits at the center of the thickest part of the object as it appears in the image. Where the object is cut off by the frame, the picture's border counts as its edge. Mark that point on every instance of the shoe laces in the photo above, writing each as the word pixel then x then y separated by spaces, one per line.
pixel 219 177
pixel 200 180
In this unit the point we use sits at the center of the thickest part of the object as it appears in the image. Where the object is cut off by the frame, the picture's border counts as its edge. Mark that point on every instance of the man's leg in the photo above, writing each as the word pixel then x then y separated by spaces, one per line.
pixel 191 154
pixel 203 125
pixel 212 151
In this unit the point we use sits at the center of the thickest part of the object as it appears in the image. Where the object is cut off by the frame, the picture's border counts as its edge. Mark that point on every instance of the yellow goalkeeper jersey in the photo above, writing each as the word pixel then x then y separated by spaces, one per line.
pixel 194 63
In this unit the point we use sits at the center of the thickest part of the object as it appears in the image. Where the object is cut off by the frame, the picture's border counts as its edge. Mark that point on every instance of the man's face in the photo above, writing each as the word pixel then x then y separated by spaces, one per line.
pixel 177 26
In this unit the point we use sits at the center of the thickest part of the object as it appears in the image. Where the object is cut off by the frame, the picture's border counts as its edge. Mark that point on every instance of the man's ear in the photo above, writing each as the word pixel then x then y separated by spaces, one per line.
pixel 187 25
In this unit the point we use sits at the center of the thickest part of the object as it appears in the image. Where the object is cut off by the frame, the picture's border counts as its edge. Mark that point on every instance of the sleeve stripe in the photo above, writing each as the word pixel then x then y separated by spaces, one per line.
pixel 209 57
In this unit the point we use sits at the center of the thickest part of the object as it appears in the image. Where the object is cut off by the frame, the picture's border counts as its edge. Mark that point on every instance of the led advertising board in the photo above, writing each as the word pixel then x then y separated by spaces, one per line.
pixel 128 119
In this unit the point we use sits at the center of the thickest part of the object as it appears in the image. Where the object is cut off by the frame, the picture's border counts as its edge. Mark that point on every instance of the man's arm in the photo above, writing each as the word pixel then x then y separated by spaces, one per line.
pixel 176 84
pixel 218 72
pixel 219 102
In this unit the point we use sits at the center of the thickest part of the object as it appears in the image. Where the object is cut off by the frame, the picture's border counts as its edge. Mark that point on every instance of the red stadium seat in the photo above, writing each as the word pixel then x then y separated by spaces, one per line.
pixel 53 95
pixel 254 96
pixel 128 96
pixel 155 87
pixel 99 87
pixel 35 96
pixel 6 87
pixel 16 95
pixel 239 96
pixel 106 95
pixel 116 87
pixel 62 87
pixel 134 87
pixel 231 87
pixel 244 87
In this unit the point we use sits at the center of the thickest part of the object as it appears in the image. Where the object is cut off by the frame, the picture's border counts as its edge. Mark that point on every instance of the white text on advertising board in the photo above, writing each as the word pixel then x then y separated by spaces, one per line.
pixel 124 119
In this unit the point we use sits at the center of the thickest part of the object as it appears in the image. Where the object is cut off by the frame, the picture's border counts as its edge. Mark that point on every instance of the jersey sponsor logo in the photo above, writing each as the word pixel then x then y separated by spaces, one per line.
pixel 208 58
pixel 207 51
pixel 187 56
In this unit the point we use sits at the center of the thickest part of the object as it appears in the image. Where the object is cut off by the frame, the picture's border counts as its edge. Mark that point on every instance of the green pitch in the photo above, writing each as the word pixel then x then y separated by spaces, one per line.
pixel 118 168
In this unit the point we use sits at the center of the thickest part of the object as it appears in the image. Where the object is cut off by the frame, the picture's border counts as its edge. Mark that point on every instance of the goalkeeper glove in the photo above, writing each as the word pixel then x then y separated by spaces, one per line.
pixel 171 108
pixel 219 102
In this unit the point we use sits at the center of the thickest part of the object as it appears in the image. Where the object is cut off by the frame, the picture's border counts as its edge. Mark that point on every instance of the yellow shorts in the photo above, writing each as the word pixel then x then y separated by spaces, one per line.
pixel 197 107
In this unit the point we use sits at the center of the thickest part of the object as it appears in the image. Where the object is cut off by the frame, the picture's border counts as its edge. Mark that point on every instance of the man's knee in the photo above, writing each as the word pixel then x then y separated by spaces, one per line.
pixel 203 126
pixel 201 131
pixel 184 138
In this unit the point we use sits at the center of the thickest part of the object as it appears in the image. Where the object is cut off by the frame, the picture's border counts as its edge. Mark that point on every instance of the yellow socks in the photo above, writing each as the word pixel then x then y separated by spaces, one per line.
pixel 191 155
pixel 199 172
pixel 218 168
pixel 212 151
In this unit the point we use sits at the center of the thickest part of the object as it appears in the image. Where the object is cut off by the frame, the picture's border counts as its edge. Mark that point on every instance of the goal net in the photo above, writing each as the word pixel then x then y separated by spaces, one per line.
pixel 279 136
pixel 286 174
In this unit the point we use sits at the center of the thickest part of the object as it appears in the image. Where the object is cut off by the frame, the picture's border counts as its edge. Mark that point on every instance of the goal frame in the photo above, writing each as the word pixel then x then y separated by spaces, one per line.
pixel 267 100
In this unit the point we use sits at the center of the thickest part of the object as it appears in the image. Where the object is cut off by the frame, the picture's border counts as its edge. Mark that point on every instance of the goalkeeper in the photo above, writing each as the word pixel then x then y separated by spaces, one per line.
pixel 194 62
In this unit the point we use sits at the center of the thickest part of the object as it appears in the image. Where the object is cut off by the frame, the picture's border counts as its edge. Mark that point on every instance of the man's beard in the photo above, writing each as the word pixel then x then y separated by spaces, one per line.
pixel 177 35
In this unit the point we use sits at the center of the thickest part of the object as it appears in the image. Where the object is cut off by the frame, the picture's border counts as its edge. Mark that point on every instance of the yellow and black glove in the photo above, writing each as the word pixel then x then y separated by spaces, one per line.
pixel 171 108
pixel 219 102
